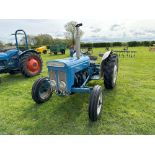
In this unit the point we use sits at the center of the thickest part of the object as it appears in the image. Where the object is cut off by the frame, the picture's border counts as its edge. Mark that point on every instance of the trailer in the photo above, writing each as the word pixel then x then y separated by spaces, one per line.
pixel 57 48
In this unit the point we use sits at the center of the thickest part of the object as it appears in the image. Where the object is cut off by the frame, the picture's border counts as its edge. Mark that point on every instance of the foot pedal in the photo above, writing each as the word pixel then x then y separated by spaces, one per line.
pixel 95 77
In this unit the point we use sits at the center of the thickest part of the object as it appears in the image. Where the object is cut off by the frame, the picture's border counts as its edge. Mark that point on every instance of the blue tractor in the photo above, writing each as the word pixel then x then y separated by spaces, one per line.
pixel 26 61
pixel 71 75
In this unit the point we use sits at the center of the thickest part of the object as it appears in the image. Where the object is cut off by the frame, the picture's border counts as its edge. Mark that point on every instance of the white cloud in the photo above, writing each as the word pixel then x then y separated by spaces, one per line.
pixel 94 30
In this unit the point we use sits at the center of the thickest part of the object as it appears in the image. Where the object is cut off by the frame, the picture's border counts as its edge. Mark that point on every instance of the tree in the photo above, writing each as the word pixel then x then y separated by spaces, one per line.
pixel 43 39
pixel 70 32
pixel 117 44
pixel 1 44
pixel 134 43
pixel 146 43
pixel 31 40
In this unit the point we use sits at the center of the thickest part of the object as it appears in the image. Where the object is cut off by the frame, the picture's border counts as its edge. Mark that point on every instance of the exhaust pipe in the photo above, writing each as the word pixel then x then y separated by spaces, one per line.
pixel 77 40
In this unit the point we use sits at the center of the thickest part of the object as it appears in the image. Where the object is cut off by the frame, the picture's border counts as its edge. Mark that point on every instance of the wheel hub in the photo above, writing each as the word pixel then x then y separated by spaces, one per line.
pixel 33 65
pixel 99 105
pixel 44 90
pixel 115 74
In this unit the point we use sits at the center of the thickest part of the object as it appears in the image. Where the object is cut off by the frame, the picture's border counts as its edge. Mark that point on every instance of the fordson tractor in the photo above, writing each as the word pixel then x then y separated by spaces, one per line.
pixel 70 75
pixel 26 61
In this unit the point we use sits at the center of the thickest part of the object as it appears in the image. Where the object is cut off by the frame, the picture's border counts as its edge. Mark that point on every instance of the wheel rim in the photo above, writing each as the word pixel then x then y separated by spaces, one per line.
pixel 33 65
pixel 99 104
pixel 115 74
pixel 44 90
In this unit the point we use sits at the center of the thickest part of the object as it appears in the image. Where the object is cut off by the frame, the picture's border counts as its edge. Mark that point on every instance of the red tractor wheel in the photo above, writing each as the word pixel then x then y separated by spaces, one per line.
pixel 31 64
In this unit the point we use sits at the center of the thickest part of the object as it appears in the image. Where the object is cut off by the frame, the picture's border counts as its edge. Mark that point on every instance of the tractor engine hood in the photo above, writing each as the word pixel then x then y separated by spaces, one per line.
pixel 3 56
pixel 8 54
pixel 71 62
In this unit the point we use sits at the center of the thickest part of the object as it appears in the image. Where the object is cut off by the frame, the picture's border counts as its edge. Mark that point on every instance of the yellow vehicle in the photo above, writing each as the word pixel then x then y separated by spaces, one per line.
pixel 42 49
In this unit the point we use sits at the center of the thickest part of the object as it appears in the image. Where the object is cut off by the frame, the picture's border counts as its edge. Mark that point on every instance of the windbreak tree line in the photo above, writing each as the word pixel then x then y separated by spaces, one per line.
pixel 47 40
pixel 115 44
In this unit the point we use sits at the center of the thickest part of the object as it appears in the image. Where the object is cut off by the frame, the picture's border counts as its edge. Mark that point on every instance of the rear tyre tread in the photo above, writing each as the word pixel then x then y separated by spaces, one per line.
pixel 108 70
pixel 23 66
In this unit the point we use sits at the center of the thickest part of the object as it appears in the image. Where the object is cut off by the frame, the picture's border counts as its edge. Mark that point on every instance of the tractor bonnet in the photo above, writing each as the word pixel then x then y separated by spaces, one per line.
pixel 70 62
pixel 7 54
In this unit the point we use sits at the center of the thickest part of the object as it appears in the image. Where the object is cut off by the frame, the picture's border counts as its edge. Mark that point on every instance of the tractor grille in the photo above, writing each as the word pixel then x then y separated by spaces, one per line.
pixel 52 75
pixel 61 76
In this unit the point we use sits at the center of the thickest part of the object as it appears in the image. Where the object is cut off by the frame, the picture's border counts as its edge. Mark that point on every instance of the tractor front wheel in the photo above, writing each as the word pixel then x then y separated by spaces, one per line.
pixel 41 90
pixel 95 103
pixel 31 64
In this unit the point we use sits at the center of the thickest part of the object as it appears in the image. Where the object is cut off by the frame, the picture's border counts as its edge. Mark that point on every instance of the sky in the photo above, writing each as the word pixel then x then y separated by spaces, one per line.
pixel 94 30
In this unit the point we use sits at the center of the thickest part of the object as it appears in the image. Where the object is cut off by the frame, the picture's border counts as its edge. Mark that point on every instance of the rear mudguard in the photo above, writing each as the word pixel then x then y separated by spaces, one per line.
pixel 27 51
pixel 105 56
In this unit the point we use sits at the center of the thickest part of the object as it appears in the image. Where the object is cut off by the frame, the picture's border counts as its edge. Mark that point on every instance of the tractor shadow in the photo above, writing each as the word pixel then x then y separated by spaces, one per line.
pixel 7 78
pixel 10 81
pixel 59 115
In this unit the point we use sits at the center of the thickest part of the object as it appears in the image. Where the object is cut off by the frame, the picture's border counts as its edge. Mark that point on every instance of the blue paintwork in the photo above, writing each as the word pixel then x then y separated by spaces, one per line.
pixel 7 55
pixel 10 59
pixel 82 90
pixel 73 65
pixel 3 56
pixel 74 62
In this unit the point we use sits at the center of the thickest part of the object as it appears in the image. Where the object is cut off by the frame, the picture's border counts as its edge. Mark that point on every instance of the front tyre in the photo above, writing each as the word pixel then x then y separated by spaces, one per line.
pixel 110 71
pixel 41 90
pixel 95 103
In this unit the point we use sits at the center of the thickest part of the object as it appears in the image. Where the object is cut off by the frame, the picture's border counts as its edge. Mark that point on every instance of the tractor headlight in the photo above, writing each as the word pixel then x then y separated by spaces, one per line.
pixel 62 86
pixel 53 84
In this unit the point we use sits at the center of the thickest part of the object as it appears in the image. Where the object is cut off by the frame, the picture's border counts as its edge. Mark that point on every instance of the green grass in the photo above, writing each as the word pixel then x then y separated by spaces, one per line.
pixel 128 109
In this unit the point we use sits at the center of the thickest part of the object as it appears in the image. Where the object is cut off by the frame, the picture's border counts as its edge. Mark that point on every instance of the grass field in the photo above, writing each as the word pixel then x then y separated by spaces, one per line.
pixel 128 109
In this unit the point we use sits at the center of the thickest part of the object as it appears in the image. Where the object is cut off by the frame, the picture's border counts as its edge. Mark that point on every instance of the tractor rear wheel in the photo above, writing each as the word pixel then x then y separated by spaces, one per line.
pixel 31 64
pixel 95 103
pixel 41 90
pixel 110 70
